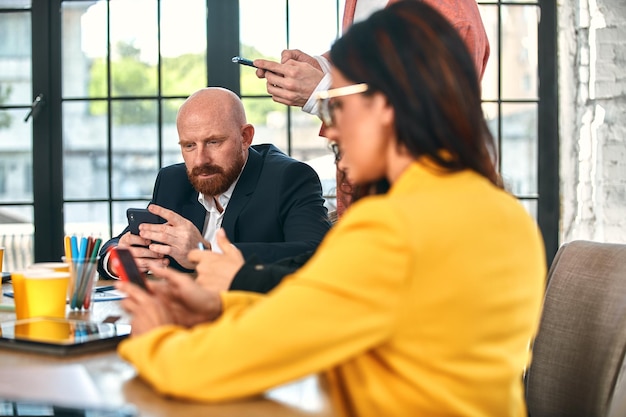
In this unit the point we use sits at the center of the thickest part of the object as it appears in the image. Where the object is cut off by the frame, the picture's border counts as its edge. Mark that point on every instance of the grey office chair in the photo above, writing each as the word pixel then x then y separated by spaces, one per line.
pixel 579 351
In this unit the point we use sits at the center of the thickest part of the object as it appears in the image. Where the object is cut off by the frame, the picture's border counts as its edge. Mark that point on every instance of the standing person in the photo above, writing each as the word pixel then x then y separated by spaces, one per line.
pixel 420 301
pixel 269 204
pixel 299 76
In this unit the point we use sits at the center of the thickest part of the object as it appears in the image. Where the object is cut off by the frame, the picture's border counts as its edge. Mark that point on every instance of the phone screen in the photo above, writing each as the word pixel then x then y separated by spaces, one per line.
pixel 136 216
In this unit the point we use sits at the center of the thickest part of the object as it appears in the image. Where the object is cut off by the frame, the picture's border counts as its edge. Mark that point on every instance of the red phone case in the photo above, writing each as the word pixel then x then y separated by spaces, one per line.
pixel 124 264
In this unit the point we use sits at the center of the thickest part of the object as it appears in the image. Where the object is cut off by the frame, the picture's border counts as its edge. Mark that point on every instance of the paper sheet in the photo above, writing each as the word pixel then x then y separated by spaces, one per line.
pixel 67 384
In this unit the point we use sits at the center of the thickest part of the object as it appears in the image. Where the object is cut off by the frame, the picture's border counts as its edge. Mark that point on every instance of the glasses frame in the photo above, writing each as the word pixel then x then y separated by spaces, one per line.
pixel 334 147
pixel 325 106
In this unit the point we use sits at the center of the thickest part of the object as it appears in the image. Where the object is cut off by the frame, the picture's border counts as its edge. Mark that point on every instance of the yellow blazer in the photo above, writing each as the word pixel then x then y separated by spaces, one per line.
pixel 420 302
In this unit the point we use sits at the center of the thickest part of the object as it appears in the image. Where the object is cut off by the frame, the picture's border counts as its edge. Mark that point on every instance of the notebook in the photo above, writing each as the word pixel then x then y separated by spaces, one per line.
pixel 58 336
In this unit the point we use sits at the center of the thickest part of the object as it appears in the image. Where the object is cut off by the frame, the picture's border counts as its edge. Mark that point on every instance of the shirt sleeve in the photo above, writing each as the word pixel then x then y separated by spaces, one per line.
pixel 311 105
pixel 341 303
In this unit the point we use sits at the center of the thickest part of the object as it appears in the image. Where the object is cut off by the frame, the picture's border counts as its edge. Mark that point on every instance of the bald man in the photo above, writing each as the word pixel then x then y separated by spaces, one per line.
pixel 269 204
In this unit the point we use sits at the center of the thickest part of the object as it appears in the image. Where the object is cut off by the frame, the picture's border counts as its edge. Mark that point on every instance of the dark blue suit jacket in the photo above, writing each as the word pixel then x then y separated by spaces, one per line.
pixel 276 209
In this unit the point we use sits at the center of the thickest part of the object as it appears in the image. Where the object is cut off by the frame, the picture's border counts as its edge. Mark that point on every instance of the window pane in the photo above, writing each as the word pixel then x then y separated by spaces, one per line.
pixel 183 52
pixel 84 44
pixel 134 47
pixel 305 139
pixel 489 16
pixel 267 35
pixel 519 148
pixel 260 38
pixel 16 4
pixel 15 59
pixel 119 214
pixel 171 149
pixel 519 52
pixel 531 207
pixel 86 219
pixel 135 148
pixel 85 164
pixel 16 180
pixel 273 121
pixel 490 111
pixel 16 236
pixel 313 25
pixel 269 120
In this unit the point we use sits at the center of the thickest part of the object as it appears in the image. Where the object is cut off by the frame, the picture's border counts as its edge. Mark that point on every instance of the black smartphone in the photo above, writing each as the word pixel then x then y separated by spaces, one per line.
pixel 242 61
pixel 136 216
pixel 125 266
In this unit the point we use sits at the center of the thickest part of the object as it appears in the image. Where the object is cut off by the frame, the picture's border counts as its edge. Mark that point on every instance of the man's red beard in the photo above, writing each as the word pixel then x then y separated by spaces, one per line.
pixel 218 183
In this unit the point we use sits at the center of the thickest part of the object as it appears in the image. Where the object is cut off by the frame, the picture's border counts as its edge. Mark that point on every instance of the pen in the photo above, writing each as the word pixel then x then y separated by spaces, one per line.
pixel 105 288
pixel 201 246
pixel 242 61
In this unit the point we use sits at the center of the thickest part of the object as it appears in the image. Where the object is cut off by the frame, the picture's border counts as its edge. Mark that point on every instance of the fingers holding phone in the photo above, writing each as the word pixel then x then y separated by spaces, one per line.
pixel 175 238
pixel 137 216
pixel 145 258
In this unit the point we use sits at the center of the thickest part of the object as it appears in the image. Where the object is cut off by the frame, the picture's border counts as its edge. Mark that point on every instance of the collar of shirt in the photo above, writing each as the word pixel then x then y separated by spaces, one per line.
pixel 208 202
pixel 213 218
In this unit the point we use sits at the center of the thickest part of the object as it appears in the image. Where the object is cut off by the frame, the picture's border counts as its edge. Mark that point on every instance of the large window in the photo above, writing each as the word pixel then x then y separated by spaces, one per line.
pixel 115 71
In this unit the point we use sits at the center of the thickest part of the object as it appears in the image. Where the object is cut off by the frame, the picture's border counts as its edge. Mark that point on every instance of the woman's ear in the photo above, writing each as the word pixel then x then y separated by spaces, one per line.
pixel 386 110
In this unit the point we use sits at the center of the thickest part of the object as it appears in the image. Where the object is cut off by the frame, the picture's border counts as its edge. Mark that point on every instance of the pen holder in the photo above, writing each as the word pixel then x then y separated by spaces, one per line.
pixel 83 278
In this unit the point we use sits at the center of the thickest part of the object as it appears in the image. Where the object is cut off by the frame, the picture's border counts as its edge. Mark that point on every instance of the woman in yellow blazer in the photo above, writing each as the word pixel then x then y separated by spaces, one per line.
pixel 420 301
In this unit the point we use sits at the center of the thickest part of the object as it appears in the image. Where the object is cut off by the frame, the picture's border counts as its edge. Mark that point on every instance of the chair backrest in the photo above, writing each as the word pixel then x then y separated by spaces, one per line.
pixel 579 350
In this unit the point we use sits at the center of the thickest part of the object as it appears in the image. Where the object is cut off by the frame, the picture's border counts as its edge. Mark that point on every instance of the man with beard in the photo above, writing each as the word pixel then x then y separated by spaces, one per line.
pixel 269 205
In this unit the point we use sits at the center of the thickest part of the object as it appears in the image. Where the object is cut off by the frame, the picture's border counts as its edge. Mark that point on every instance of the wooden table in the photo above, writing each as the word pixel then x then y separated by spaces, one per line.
pixel 117 382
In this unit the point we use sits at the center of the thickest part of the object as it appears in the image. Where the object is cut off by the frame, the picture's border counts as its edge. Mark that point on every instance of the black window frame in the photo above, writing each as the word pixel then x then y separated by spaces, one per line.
pixel 222 39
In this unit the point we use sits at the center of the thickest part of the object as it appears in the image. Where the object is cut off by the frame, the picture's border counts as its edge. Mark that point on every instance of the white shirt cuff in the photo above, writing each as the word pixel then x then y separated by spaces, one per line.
pixel 324 63
pixel 311 105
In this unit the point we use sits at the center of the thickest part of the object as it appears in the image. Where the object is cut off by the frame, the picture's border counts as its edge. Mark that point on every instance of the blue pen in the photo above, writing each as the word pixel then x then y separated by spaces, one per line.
pixel 82 253
pixel 74 245
pixel 201 246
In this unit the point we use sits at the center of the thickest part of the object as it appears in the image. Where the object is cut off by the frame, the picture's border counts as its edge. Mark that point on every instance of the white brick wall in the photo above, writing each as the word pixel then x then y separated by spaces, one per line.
pixel 592 100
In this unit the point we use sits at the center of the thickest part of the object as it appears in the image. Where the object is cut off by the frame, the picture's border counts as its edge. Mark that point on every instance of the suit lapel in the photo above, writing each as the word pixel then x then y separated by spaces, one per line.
pixel 243 191
pixel 194 211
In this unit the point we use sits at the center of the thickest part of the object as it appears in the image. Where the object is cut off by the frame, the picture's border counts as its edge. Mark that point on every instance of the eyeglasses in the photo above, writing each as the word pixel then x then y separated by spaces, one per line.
pixel 327 106
pixel 333 146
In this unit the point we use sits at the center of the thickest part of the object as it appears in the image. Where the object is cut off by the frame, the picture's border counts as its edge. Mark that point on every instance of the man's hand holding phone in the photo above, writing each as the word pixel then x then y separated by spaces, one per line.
pixel 175 238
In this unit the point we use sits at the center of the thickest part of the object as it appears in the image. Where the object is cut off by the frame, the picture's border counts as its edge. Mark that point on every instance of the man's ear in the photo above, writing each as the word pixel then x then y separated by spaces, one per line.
pixel 247 134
